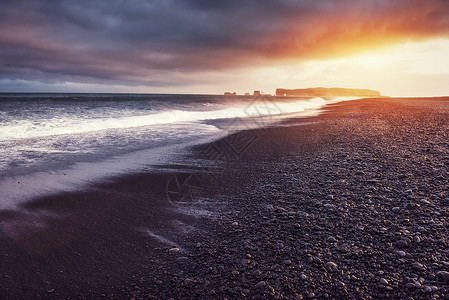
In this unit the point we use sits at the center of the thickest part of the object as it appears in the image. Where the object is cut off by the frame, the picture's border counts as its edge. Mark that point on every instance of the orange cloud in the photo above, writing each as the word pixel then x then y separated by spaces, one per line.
pixel 356 27
pixel 151 43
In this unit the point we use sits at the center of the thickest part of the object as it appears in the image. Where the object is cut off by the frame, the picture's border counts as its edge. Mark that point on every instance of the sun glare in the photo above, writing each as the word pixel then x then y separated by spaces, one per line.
pixel 408 69
pixel 428 57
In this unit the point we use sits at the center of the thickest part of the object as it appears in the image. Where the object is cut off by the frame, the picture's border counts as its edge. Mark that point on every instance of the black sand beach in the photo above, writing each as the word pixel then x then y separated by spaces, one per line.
pixel 353 203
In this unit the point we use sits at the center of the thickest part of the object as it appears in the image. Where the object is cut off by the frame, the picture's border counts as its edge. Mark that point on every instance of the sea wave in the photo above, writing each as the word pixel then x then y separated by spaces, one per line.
pixel 78 124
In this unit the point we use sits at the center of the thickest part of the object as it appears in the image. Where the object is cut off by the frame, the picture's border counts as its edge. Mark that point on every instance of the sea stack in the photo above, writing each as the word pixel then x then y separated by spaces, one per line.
pixel 328 92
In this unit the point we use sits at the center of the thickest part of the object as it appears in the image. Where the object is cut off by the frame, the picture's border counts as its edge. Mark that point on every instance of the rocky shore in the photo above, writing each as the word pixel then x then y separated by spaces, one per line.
pixel 351 204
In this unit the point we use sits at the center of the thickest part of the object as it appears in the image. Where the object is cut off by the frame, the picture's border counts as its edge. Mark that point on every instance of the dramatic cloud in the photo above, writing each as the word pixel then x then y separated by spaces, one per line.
pixel 155 42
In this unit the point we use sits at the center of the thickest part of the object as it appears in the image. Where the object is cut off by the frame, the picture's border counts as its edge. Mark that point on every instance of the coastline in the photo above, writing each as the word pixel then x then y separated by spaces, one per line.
pixel 350 203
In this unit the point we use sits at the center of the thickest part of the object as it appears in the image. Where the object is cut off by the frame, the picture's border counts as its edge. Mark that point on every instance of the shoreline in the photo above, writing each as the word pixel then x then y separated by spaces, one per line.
pixel 312 210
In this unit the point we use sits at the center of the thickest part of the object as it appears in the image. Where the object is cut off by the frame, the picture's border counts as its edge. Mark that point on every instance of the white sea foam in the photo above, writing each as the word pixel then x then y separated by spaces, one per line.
pixel 63 125
pixel 47 150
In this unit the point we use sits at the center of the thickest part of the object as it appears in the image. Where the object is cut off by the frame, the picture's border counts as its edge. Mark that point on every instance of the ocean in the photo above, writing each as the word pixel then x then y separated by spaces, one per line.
pixel 60 142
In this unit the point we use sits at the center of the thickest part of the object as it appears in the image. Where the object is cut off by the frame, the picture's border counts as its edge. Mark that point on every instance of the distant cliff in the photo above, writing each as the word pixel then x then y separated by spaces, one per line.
pixel 328 92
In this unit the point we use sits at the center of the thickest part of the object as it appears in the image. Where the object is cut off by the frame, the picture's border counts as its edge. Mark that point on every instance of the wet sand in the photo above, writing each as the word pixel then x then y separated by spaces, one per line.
pixel 352 203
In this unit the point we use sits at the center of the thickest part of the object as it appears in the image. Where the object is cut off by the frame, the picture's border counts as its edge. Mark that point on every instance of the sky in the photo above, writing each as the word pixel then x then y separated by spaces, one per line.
pixel 399 47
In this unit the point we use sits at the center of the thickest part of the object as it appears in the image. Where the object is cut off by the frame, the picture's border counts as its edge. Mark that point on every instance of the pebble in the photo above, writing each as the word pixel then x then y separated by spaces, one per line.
pixel 424 201
pixel 410 285
pixel 302 214
pixel 331 266
pixel 235 224
pixel 261 284
pixel 173 250
pixel 402 243
pixel 329 206
pixel 417 266
pixel 443 275
pixel 383 281
pixel 331 239
pixel 400 253
pixel 211 292
pixel 396 209
pixel 182 258
pixel 316 260
pixel 280 245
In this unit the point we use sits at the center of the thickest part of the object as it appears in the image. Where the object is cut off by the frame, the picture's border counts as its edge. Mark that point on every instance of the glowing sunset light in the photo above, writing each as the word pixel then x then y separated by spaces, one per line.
pixel 398 47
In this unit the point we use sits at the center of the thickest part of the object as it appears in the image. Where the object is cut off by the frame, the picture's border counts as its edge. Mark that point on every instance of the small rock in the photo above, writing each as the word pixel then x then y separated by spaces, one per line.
pixel 235 272
pixel 331 266
pixel 211 292
pixel 434 288
pixel 340 284
pixel 303 276
pixel 302 214
pixel 416 239
pixel 331 239
pixel 410 285
pixel 173 250
pixel 182 258
pixel 317 260
pixel 395 209
pixel 427 289
pixel 424 201
pixel 400 253
pixel 280 245
pixel 235 224
pixel 261 284
pixel 383 281
pixel 329 206
pixel 245 262
pixel 417 266
pixel 402 243
pixel 443 275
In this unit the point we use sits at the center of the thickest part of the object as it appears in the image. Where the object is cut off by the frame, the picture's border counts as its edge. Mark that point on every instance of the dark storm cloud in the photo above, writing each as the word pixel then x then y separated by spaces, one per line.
pixel 138 42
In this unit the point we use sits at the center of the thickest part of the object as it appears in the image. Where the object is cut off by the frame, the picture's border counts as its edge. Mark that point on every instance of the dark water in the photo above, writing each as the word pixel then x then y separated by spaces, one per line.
pixel 96 135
